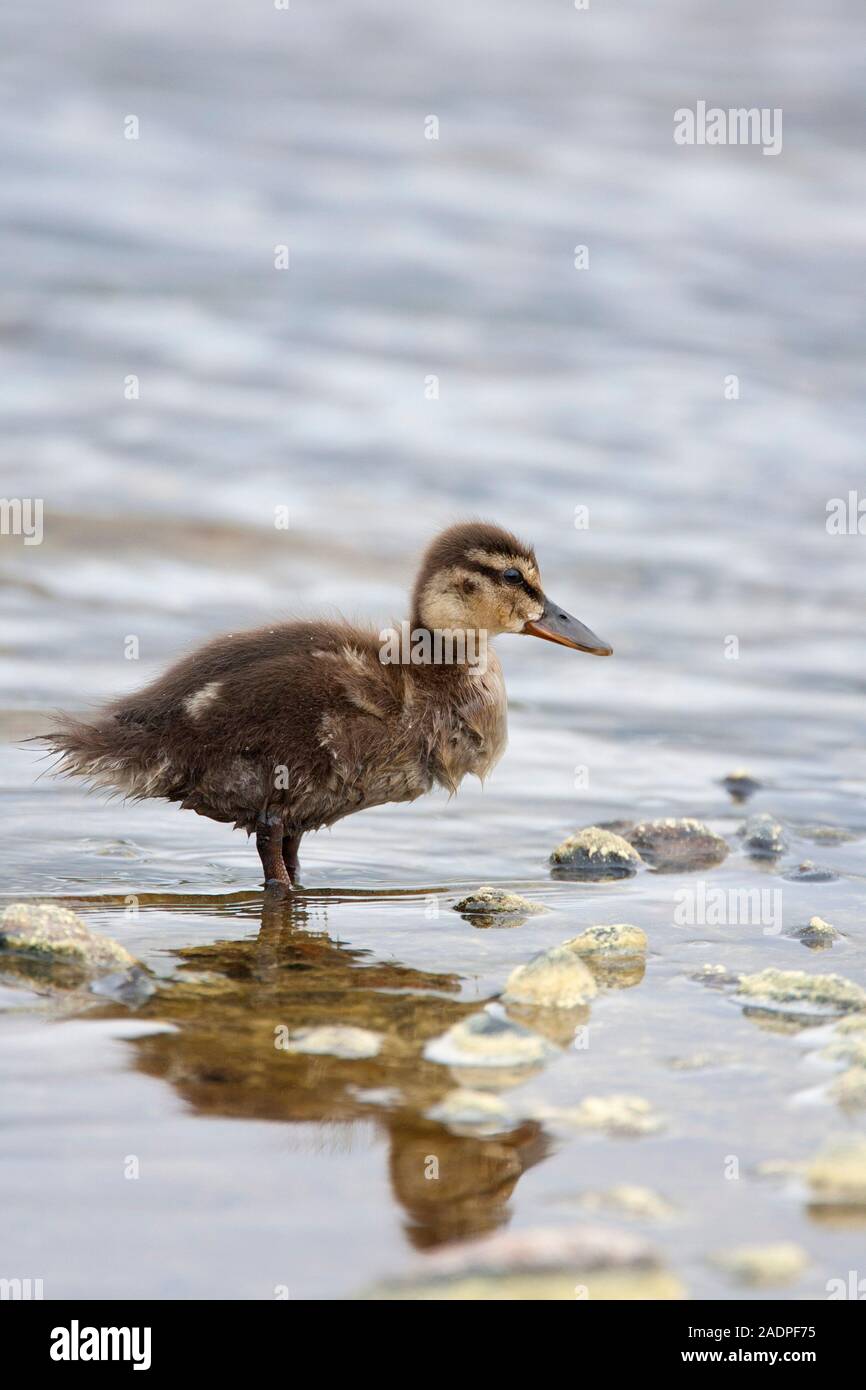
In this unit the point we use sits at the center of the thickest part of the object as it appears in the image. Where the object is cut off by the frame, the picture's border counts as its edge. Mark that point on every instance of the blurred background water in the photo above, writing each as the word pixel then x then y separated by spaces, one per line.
pixel 309 389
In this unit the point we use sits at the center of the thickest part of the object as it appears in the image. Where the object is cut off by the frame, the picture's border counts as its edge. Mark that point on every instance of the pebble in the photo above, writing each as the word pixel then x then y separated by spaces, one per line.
pixel 763 837
pixel 627 1199
pixel 472 1112
pixel 854 1023
pixel 780 1169
pixel 807 872
pixel 621 1115
pixel 741 784
pixel 847 1045
pixel 596 854
pixel 488 1039
pixel 540 1264
pixel 715 976
pixel 60 936
pixel 837 1176
pixel 491 907
pixel 677 844
pixel 700 1061
pixel 827 834
pixel 131 987
pixel 849 1089
pixel 554 979
pixel 761 1265
pixel 818 935
pixel 620 938
pixel 335 1040
pixel 832 993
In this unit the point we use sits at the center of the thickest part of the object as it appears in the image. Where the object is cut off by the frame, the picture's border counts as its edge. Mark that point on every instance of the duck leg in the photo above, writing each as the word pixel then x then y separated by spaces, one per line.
pixel 269 843
pixel 290 856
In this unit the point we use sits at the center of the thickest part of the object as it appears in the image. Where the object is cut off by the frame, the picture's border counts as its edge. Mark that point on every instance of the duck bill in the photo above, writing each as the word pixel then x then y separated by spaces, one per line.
pixel 555 625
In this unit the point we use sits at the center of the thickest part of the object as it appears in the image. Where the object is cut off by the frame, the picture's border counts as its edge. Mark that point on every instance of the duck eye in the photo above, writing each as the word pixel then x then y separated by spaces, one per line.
pixel 512 576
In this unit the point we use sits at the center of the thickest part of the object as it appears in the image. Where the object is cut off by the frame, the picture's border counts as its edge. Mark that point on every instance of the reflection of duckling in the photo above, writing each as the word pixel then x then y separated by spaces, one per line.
pixel 290 728
pixel 226 1003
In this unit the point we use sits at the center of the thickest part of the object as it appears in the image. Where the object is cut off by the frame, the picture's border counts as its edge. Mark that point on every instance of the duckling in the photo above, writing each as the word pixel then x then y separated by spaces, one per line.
pixel 290 728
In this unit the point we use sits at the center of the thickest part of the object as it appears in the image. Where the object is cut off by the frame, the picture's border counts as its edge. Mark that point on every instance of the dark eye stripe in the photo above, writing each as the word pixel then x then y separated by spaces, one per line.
pixel 496 576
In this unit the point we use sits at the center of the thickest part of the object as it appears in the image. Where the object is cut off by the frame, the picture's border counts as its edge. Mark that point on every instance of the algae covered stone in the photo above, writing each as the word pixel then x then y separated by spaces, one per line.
pixel 620 938
pixel 472 1112
pixel 849 1089
pixel 543 1264
pixel 818 934
pixel 762 1265
pixel 627 1199
pixel 490 907
pixel 763 837
pixel 837 1176
pixel 335 1040
pixel 554 979
pixel 809 872
pixel 677 844
pixel 487 1039
pixel 621 1115
pixel 741 784
pixel 595 853
pixel 56 935
pixel 828 993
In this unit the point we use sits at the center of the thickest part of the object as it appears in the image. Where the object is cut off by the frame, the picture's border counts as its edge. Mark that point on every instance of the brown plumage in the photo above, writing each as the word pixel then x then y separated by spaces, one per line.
pixel 290 728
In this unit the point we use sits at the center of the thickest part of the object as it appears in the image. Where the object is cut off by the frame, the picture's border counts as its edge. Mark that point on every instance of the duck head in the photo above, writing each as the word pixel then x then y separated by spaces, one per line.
pixel 476 576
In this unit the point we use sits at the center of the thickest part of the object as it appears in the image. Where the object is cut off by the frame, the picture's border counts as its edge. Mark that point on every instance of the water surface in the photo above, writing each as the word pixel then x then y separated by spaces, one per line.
pixel 305 389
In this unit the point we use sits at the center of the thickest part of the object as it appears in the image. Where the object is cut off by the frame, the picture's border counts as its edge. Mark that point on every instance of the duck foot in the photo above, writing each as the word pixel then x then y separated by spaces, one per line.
pixel 278 889
pixel 290 856
pixel 269 843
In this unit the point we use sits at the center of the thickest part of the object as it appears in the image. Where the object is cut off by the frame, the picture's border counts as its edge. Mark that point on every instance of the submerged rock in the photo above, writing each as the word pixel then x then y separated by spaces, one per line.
pixel 837 1176
pixel 818 935
pixel 807 872
pixel 621 1115
pixel 595 854
pixel 849 1089
pixel 701 1061
pixel 472 1112
pixel 57 936
pixel 714 976
pixel 677 844
pixel 847 1046
pixel 590 1262
pixel 827 834
pixel 763 837
pixel 740 784
pixel 641 1203
pixel 130 987
pixel 780 1169
pixel 831 994
pixel 554 979
pixel 620 938
pixel 335 1040
pixel 488 1039
pixel 491 907
pixel 761 1265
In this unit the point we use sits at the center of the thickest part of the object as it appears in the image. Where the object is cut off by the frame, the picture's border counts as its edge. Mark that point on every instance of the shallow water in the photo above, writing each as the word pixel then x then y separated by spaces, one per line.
pixel 557 389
